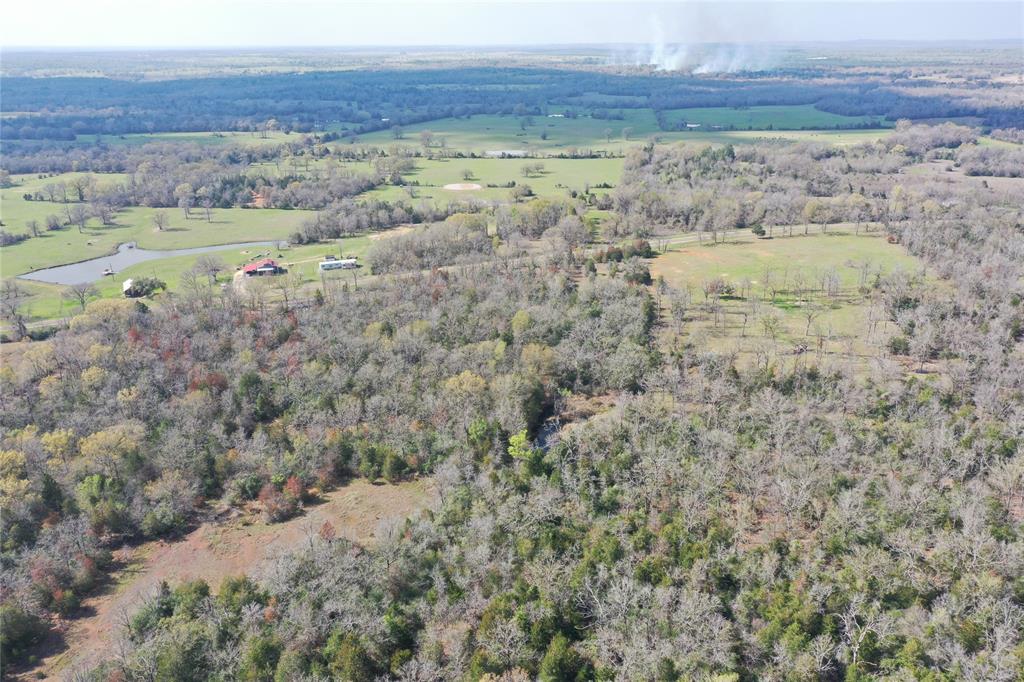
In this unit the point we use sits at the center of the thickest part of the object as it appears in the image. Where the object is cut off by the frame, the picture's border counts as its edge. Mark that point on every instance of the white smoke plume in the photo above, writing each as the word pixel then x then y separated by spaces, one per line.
pixel 699 57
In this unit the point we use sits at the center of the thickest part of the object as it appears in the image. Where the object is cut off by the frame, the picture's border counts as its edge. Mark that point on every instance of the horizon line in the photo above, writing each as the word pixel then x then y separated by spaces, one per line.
pixel 496 47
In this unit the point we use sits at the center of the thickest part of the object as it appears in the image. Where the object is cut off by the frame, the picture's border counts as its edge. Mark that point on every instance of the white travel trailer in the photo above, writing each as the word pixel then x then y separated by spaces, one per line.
pixel 339 264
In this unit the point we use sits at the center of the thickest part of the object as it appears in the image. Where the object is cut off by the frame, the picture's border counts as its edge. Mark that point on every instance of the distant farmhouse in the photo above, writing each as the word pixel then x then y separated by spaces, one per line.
pixel 267 266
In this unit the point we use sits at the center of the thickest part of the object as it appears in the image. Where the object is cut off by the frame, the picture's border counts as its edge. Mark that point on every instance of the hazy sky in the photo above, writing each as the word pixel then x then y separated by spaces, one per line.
pixel 170 23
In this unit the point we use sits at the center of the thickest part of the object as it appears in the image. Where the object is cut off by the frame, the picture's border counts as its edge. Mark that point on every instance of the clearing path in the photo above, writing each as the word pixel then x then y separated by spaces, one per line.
pixel 215 550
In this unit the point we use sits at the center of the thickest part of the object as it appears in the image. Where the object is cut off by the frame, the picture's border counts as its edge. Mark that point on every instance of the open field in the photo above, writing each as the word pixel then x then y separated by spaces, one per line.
pixel 217 550
pixel 486 133
pixel 776 292
pixel 794 117
pixel 15 211
pixel 558 177
pixel 481 134
pixel 202 138
pixel 840 138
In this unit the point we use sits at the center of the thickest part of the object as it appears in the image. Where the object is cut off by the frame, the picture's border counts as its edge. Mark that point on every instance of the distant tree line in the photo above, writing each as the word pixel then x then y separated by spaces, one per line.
pixel 357 102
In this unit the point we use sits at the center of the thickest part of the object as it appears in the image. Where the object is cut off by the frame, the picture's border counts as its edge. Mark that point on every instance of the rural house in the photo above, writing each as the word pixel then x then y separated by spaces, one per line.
pixel 267 266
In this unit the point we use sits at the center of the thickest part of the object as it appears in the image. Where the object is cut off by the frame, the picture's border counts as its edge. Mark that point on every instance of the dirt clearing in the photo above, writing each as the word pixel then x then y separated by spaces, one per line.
pixel 216 550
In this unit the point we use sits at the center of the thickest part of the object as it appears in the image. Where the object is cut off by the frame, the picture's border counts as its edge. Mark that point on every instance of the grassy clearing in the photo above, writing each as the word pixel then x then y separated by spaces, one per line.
pixel 485 133
pixel 777 297
pixel 840 138
pixel 556 180
pixel 767 117
pixel 217 138
pixel 481 134
pixel 214 551
pixel 15 211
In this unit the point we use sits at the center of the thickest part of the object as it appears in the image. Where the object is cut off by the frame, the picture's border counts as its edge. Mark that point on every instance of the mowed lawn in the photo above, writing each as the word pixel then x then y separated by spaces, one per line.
pixel 795 117
pixel 789 263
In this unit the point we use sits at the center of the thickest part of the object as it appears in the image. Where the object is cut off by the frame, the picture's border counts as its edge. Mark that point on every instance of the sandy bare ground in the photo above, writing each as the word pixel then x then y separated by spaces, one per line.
pixel 393 232
pixel 242 545
pixel 462 186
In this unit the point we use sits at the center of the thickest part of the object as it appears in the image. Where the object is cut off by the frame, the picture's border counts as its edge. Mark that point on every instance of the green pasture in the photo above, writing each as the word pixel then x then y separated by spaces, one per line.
pixel 794 117
pixel 733 261
pixel 481 134
pixel 216 138
pixel 839 138
pixel 484 133
pixel 793 266
pixel 557 178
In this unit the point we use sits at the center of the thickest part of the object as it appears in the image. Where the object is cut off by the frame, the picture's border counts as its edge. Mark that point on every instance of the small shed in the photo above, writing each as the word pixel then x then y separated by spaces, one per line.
pixel 126 287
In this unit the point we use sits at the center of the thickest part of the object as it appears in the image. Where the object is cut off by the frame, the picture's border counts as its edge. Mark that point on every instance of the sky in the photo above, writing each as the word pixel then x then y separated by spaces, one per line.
pixel 344 23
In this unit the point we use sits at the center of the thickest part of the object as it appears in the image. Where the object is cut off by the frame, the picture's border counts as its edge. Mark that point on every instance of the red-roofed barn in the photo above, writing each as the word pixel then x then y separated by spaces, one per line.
pixel 267 266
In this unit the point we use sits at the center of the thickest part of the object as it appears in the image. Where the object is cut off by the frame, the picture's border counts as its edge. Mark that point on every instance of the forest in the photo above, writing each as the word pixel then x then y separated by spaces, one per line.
pixel 353 102
pixel 631 484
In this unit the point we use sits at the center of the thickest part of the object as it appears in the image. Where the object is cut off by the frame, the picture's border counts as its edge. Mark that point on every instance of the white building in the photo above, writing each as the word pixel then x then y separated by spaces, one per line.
pixel 338 264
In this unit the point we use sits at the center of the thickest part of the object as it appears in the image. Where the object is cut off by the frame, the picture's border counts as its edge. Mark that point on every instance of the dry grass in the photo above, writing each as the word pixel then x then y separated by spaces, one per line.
pixel 216 550
pixel 778 307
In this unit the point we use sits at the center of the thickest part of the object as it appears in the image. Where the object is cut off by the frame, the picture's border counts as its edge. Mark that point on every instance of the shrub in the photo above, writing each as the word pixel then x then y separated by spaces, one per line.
pixel 8 239
pixel 277 506
pixel 248 487
pixel 236 593
pixel 899 345
pixel 145 286
pixel 19 631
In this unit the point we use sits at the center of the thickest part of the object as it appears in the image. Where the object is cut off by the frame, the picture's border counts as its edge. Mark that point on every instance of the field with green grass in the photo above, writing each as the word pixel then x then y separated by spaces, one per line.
pixel 217 138
pixel 557 179
pixel 481 134
pixel 840 138
pixel 776 292
pixel 134 224
pixel 15 211
pixel 795 117
pixel 544 134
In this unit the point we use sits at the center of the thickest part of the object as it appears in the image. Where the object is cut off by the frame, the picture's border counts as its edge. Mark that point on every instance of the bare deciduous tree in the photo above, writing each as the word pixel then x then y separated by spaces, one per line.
pixel 81 292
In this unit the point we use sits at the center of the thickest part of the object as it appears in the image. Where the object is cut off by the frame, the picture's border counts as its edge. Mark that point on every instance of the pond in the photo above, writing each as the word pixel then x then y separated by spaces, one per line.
pixel 127 255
